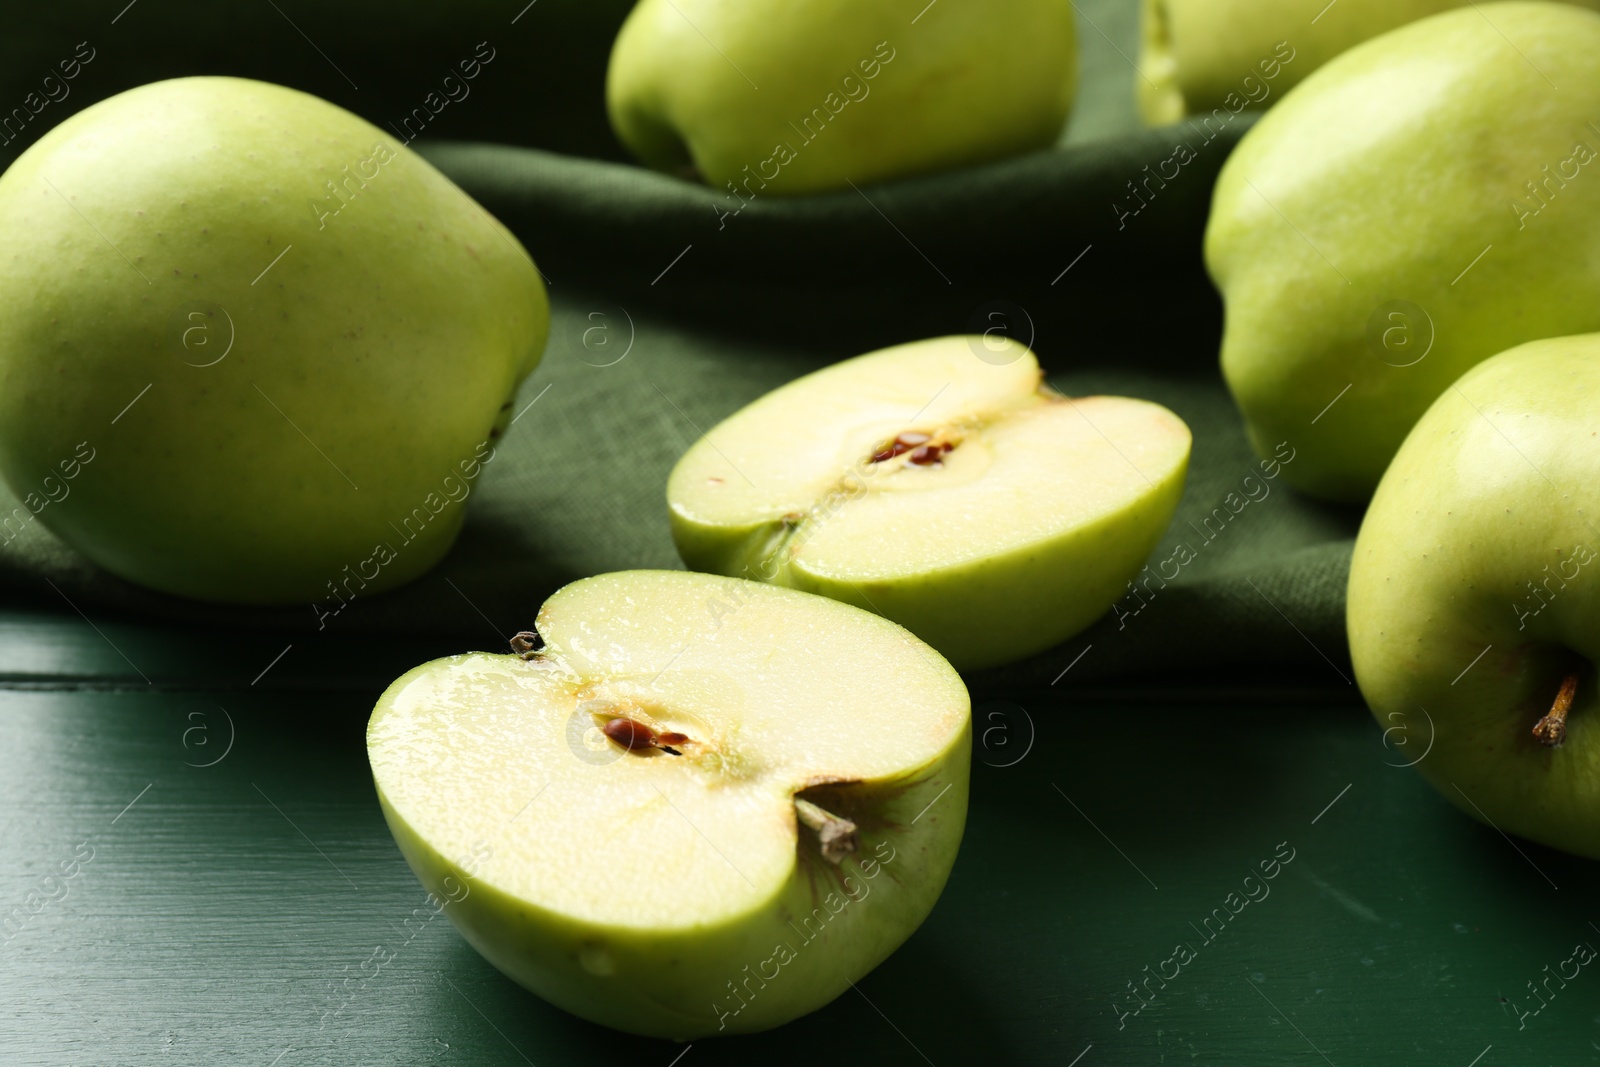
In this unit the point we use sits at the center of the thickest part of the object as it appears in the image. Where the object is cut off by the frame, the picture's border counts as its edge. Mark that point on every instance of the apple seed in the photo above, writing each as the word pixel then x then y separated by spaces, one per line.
pixel 1551 731
pixel 636 736
pixel 836 836
pixel 925 451
pixel 629 734
pixel 902 444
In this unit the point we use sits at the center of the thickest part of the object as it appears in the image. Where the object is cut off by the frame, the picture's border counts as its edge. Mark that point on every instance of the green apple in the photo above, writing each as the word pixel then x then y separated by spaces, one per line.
pixel 703 806
pixel 761 96
pixel 943 485
pixel 1200 55
pixel 284 338
pixel 1425 200
pixel 1474 600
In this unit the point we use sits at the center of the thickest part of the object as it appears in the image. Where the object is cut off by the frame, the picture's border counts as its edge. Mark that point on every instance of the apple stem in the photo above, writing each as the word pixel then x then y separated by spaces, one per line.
pixel 837 836
pixel 1551 730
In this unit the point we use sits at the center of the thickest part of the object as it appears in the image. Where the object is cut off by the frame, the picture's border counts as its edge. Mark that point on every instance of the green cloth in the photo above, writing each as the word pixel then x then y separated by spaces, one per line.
pixel 712 312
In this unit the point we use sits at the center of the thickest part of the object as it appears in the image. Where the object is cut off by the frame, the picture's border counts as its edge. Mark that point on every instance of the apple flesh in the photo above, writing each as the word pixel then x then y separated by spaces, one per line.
pixel 1199 55
pixel 703 806
pixel 286 340
pixel 1474 598
pixel 1385 227
pixel 761 97
pixel 954 494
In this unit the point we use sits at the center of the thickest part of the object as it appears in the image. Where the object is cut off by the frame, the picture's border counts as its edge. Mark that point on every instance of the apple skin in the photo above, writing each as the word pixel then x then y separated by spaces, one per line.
pixel 1382 178
pixel 1493 490
pixel 389 337
pixel 1195 53
pixel 965 84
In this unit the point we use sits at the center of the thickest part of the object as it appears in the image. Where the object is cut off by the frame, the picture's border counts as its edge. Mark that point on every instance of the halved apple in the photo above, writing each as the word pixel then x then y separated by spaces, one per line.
pixel 940 484
pixel 704 805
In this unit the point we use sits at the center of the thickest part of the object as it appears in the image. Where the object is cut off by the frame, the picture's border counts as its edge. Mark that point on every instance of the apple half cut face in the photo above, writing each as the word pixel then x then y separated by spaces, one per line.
pixel 698 805
pixel 940 484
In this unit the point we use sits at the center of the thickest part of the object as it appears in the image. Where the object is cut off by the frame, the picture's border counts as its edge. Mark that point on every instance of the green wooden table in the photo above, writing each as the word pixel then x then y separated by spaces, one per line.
pixel 194 870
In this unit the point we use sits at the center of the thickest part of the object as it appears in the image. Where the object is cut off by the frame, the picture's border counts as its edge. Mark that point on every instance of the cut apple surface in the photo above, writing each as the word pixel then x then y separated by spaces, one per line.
pixel 956 495
pixel 703 805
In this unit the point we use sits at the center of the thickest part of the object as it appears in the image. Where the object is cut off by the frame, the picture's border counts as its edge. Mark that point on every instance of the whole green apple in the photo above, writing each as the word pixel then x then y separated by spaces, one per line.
pixel 703 806
pixel 794 96
pixel 943 485
pixel 285 339
pixel 1427 199
pixel 1200 55
pixel 1474 600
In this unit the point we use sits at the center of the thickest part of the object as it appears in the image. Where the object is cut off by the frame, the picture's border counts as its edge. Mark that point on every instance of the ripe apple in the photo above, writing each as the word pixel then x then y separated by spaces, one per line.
pixel 284 337
pixel 1474 601
pixel 943 485
pixel 667 821
pixel 758 96
pixel 1198 55
pixel 1425 200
